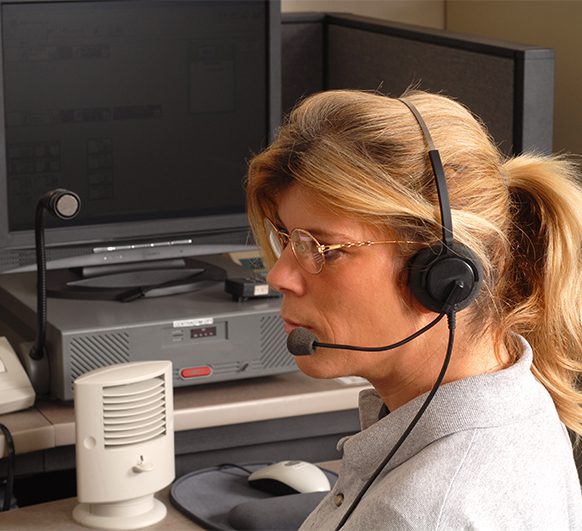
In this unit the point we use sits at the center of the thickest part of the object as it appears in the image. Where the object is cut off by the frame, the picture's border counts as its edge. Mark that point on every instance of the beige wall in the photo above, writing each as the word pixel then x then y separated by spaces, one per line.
pixel 553 23
pixel 423 12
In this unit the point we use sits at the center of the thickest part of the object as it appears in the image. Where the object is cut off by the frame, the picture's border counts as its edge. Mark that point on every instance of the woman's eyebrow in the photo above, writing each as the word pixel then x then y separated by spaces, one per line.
pixel 319 233
pixel 330 236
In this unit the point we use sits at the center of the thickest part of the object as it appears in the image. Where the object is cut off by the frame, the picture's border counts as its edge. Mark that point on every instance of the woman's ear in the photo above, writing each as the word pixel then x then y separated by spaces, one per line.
pixel 408 298
pixel 416 305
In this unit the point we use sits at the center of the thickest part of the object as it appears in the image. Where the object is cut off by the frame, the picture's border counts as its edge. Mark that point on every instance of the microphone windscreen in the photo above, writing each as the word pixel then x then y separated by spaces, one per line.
pixel 62 203
pixel 301 342
pixel 67 206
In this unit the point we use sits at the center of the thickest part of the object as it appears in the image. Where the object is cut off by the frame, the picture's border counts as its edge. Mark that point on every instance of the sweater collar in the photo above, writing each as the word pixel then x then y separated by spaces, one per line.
pixel 480 401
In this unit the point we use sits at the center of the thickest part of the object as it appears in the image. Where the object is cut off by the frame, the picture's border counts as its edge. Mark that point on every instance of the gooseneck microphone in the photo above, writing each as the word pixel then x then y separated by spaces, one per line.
pixel 65 205
pixel 303 342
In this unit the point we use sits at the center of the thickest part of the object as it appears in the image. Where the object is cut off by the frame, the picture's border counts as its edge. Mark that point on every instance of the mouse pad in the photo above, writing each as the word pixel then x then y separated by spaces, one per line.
pixel 221 498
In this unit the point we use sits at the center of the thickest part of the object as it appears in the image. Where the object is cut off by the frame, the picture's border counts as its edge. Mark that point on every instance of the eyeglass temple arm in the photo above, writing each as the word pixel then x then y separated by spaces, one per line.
pixel 326 248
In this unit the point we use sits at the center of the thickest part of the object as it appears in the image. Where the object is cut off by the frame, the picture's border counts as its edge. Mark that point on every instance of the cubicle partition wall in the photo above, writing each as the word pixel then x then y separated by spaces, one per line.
pixel 510 86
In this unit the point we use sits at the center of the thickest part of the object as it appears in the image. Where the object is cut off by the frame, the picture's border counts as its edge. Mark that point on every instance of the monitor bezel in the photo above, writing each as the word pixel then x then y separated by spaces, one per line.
pixel 221 230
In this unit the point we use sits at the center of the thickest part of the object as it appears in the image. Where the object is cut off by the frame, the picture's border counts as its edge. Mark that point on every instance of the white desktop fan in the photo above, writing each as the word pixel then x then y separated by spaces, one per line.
pixel 124 444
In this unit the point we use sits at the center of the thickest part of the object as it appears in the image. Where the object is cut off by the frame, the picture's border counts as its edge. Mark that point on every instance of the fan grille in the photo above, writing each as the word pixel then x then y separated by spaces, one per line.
pixel 274 351
pixel 134 413
pixel 93 351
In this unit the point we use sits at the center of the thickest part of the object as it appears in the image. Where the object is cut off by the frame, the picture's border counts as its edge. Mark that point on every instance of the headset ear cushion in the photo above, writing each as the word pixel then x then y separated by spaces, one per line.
pixel 433 270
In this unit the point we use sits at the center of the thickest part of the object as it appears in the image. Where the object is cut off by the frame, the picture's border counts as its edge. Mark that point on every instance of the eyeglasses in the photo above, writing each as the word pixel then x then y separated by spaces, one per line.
pixel 309 253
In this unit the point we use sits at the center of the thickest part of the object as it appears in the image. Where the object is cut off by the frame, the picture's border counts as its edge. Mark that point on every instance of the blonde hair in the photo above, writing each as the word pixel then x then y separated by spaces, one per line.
pixel 363 155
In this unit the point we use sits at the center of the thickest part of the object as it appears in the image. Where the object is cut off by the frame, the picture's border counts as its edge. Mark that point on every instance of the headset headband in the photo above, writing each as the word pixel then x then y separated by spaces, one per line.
pixel 439 173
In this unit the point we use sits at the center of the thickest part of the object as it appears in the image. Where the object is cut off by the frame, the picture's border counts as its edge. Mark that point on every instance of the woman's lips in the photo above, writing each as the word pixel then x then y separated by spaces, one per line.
pixel 289 326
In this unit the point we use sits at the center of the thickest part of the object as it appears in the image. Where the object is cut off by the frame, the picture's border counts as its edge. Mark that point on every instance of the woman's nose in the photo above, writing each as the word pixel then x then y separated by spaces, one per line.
pixel 286 275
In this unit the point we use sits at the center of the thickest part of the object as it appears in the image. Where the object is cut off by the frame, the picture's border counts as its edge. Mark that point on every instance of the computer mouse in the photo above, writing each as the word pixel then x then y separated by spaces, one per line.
pixel 289 477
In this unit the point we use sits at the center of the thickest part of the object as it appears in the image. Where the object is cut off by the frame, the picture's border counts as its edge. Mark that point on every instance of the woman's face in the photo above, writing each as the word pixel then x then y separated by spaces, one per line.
pixel 356 299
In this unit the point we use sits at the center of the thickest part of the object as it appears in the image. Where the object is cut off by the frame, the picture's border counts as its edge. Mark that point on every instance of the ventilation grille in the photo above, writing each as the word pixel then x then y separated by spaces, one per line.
pixel 273 343
pixel 134 413
pixel 94 351
pixel 236 367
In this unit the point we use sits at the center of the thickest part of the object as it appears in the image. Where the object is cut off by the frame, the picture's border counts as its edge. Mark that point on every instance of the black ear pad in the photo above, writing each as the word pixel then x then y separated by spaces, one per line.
pixel 433 271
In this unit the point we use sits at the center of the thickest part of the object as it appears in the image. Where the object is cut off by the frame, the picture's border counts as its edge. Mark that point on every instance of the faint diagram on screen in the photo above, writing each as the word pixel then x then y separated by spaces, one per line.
pixel 212 78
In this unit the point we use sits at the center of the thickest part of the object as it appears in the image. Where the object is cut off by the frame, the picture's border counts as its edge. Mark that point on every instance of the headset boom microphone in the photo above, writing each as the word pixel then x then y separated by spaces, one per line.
pixel 303 342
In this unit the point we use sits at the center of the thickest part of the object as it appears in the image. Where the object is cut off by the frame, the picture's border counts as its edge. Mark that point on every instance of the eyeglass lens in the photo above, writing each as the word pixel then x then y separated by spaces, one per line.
pixel 275 239
pixel 305 248
pixel 303 244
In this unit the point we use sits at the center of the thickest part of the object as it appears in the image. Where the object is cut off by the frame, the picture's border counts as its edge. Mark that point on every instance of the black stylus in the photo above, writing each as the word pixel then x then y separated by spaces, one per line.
pixel 173 287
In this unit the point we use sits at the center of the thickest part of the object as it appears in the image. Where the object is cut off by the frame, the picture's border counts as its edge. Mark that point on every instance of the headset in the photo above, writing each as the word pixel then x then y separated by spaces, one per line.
pixel 432 270
pixel 444 277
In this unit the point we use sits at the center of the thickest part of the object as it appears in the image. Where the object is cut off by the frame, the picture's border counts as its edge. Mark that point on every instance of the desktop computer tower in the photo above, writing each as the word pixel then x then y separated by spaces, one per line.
pixel 206 335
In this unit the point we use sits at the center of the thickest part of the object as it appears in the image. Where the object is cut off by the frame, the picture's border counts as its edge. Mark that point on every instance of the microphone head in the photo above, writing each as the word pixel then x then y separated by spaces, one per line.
pixel 62 203
pixel 301 342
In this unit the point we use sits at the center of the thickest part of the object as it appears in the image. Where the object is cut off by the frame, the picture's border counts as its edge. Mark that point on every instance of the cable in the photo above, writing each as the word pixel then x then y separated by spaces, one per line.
pixel 451 316
pixel 388 347
pixel 11 454
pixel 234 465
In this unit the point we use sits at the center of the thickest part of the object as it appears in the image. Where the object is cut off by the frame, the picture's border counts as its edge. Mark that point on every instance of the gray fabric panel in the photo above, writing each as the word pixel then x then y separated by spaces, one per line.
pixel 538 102
pixel 302 61
pixel 367 60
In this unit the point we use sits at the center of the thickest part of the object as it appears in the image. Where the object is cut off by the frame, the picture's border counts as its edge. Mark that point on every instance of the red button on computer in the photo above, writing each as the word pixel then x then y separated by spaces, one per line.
pixel 196 372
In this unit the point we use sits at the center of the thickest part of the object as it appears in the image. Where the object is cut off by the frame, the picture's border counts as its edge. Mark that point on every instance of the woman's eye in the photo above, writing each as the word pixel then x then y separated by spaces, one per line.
pixel 303 247
pixel 335 254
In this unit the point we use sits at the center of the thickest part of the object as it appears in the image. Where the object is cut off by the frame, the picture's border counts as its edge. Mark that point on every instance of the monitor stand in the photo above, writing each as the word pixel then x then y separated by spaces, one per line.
pixel 134 281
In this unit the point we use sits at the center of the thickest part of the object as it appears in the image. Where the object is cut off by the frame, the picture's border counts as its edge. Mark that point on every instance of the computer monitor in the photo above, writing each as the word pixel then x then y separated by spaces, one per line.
pixel 147 109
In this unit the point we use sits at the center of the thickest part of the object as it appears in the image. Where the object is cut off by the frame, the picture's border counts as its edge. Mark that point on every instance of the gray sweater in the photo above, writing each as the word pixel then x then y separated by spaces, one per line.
pixel 489 453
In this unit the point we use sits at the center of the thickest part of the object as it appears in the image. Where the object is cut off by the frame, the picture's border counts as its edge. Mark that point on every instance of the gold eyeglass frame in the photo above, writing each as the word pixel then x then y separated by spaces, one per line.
pixel 321 248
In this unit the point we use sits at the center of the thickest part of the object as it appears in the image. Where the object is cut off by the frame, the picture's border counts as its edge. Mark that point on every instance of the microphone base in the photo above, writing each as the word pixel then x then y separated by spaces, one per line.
pixel 37 370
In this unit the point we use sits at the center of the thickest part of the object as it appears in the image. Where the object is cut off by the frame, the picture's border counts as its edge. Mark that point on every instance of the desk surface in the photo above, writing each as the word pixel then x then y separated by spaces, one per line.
pixel 58 515
pixel 52 424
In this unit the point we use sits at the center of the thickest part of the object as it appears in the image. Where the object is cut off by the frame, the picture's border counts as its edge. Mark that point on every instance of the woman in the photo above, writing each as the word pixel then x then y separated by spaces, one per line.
pixel 491 450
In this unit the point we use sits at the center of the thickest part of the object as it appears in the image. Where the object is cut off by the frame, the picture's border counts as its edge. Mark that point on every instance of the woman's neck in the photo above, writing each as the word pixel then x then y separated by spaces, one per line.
pixel 416 370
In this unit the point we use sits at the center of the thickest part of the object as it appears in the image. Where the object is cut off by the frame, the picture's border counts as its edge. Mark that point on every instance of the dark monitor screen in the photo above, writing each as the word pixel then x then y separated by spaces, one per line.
pixel 147 109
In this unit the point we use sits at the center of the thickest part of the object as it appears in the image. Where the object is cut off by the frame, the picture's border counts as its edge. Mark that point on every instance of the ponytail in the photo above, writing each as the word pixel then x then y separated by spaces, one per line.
pixel 542 292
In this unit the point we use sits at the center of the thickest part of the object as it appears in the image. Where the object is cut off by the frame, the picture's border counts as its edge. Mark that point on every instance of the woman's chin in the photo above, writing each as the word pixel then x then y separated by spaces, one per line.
pixel 318 366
